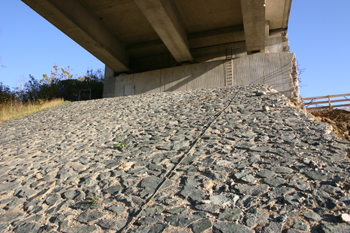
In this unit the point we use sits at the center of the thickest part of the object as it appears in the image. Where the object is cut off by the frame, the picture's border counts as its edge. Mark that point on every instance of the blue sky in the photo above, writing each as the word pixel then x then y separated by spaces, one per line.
pixel 318 34
pixel 31 45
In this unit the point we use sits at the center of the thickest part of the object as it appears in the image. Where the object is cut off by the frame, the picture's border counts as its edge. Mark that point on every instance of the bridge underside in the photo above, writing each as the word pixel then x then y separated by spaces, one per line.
pixel 132 36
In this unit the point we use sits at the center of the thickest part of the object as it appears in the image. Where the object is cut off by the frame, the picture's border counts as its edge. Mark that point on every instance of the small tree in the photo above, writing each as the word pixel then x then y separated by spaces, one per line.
pixel 5 93
pixel 32 90
pixel 300 71
pixel 56 76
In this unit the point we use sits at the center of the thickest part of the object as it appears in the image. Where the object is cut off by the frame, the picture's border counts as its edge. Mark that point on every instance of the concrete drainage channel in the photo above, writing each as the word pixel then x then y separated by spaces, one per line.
pixel 223 160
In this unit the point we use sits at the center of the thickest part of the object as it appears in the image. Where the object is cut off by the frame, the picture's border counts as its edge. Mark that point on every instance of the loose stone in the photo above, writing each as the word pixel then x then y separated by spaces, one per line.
pixel 316 175
pixel 9 217
pixel 52 199
pixel 28 228
pixel 184 220
pixel 80 229
pixel 345 217
pixel 208 208
pixel 13 204
pixel 301 185
pixel 283 170
pixel 256 216
pixel 301 225
pixel 275 227
pixel 266 174
pixel 24 192
pixel 151 182
pixel 154 228
pixel 276 181
pixel 4 227
pixel 254 190
pixel 150 220
pixel 312 216
pixel 249 179
pixel 156 209
pixel 112 224
pixel 88 217
pixel 231 214
pixel 5 187
pixel 224 200
pixel 113 190
pixel 201 225
pixel 328 227
pixel 226 227
pixel 280 192
pixel 118 209
pixel 193 193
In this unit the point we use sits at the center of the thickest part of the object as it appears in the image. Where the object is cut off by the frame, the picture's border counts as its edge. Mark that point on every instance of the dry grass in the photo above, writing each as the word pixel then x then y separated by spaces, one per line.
pixel 338 118
pixel 16 109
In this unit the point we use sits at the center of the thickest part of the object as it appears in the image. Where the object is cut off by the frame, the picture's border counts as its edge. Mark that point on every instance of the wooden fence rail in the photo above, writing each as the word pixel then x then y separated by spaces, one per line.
pixel 327 102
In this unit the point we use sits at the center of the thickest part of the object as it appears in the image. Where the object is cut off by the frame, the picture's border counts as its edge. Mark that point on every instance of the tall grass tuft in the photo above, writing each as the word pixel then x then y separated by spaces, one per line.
pixel 14 109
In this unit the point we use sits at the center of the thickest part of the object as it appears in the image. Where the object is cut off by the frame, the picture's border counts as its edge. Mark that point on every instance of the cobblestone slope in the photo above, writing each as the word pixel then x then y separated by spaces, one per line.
pixel 239 159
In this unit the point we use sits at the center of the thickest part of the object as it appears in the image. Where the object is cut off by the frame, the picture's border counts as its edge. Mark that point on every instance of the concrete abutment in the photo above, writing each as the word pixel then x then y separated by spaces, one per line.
pixel 277 70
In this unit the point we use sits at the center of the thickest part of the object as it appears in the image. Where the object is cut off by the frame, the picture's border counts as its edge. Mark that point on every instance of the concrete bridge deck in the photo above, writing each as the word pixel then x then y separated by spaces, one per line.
pixel 238 159
pixel 139 35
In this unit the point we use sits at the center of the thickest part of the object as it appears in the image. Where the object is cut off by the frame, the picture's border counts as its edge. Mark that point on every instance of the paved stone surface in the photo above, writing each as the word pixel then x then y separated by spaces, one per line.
pixel 238 159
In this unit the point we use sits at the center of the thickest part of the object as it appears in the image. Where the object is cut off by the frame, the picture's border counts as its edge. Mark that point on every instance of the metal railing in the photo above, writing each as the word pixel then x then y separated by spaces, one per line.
pixel 326 102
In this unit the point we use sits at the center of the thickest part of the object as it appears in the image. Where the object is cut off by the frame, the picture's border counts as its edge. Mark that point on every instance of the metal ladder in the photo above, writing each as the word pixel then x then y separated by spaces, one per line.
pixel 228 67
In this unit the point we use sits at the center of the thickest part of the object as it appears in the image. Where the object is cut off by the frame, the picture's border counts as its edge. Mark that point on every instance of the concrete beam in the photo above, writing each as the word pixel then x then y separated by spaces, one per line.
pixel 286 13
pixel 267 28
pixel 216 37
pixel 253 12
pixel 277 13
pixel 196 40
pixel 164 20
pixel 78 23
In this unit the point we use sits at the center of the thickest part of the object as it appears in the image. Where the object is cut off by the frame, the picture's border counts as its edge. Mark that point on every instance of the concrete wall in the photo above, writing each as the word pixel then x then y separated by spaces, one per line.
pixel 276 69
pixel 108 83
pixel 186 77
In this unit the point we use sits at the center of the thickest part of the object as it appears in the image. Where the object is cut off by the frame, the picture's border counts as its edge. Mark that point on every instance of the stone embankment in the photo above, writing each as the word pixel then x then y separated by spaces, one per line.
pixel 239 159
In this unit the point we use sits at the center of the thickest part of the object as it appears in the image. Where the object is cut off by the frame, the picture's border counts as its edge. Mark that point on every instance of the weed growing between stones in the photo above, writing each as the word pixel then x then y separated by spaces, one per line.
pixel 93 201
pixel 121 144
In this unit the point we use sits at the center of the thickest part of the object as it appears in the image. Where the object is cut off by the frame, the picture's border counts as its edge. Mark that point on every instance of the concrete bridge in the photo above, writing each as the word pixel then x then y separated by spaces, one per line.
pixel 133 37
